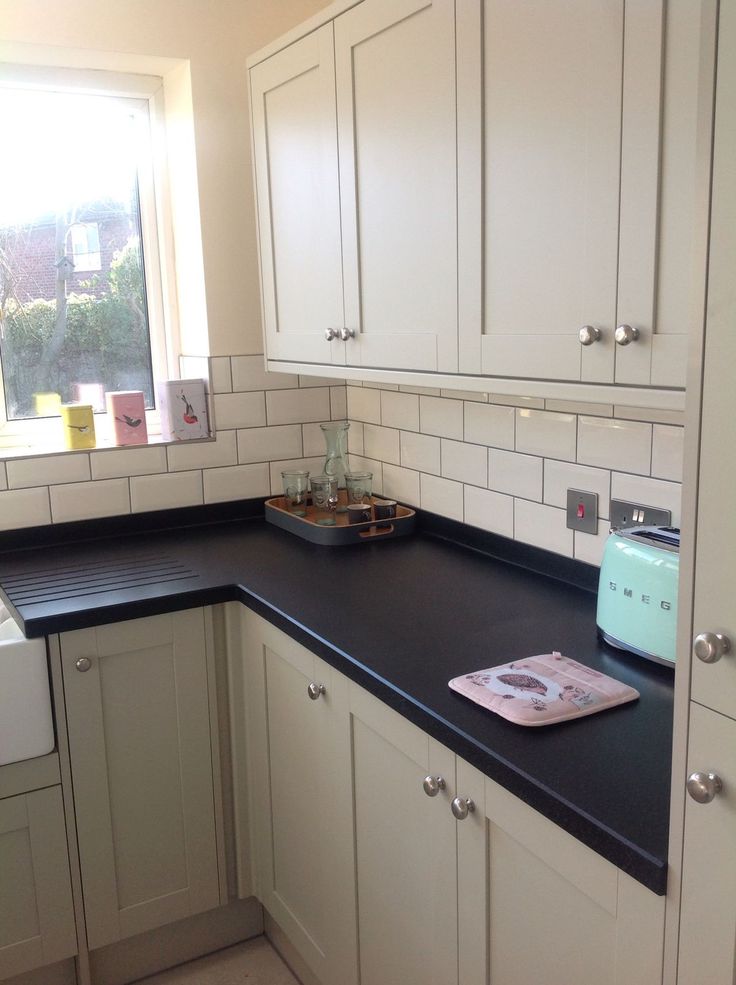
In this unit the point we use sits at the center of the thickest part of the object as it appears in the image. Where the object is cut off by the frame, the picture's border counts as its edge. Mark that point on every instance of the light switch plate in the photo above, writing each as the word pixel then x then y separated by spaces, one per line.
pixel 582 511
pixel 625 514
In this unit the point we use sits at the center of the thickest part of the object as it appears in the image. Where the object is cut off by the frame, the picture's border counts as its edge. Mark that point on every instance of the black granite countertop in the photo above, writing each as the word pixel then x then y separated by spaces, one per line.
pixel 401 618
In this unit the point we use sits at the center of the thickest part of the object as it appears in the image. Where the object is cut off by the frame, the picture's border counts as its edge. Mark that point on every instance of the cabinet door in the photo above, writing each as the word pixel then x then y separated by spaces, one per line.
pixel 139 736
pixel 714 685
pixel 395 68
pixel 36 912
pixel 301 799
pixel 405 850
pixel 297 194
pixel 708 907
pixel 665 182
pixel 560 913
pixel 551 152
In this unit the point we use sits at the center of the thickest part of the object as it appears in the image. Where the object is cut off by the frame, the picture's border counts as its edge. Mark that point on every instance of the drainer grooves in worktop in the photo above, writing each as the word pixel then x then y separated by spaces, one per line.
pixel 73 581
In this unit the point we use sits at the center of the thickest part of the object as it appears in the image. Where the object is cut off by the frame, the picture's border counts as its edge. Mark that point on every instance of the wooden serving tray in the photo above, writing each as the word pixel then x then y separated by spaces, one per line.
pixel 342 532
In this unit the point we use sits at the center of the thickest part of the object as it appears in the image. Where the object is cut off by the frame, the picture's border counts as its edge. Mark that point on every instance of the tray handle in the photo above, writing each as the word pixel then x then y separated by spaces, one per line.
pixel 377 531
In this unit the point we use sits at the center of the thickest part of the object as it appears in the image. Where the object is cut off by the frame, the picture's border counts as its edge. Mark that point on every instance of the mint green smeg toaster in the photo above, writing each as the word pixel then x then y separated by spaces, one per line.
pixel 637 591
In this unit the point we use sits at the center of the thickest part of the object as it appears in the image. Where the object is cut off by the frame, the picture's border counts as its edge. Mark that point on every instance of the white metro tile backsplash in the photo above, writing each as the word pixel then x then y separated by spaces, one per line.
pixel 536 450
pixel 499 463
pixel 263 423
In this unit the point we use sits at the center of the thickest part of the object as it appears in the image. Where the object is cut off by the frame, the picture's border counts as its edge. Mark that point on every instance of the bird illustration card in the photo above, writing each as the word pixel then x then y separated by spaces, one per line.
pixel 126 410
pixel 543 690
pixel 183 405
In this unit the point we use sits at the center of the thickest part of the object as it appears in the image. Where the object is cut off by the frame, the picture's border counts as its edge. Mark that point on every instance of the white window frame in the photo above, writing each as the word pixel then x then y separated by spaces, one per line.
pixel 144 94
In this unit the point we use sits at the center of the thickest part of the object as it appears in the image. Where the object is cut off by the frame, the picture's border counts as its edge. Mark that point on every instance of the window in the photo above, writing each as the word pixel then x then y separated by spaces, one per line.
pixel 85 242
pixel 81 307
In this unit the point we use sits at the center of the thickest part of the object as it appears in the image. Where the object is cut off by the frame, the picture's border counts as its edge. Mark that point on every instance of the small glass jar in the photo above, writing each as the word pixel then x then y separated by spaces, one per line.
pixel 359 487
pixel 296 489
pixel 324 499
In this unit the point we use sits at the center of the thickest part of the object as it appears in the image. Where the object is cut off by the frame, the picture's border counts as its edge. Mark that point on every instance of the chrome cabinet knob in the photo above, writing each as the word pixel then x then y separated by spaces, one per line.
pixel 314 690
pixel 625 334
pixel 433 784
pixel 346 333
pixel 461 807
pixel 588 334
pixel 710 647
pixel 703 787
pixel 331 333
pixel 83 664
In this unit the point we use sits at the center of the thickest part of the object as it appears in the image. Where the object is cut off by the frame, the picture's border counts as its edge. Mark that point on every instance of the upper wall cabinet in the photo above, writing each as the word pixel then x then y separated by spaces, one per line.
pixel 391 80
pixel 395 65
pixel 298 199
pixel 589 174
pixel 488 187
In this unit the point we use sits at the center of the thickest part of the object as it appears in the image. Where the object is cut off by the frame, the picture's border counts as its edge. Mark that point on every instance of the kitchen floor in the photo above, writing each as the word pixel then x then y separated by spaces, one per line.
pixel 252 963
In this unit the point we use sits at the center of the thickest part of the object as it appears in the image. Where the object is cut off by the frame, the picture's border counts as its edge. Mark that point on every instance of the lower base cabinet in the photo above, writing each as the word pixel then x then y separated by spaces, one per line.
pixel 138 713
pixel 387 860
pixel 36 913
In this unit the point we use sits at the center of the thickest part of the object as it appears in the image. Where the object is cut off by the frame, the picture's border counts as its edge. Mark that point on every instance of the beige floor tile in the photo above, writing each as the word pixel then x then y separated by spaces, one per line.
pixel 253 963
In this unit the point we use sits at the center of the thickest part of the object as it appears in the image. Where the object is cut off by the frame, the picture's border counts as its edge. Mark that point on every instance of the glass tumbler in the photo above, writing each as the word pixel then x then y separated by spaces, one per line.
pixel 359 486
pixel 324 499
pixel 296 487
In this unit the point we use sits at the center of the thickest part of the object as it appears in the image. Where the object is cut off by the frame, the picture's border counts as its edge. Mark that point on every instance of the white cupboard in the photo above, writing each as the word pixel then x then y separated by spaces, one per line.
pixel 36 911
pixel 300 796
pixel 296 179
pixel 465 187
pixel 355 168
pixel 395 68
pixel 594 174
pixel 707 948
pixel 386 859
pixel 138 716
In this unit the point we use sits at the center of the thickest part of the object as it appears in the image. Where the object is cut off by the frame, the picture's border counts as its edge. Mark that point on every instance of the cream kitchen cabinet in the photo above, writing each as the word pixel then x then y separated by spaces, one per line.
pixel 296 178
pixel 594 182
pixel 707 951
pixel 488 188
pixel 371 255
pixel 473 886
pixel 138 711
pixel 386 859
pixel 299 785
pixel 36 912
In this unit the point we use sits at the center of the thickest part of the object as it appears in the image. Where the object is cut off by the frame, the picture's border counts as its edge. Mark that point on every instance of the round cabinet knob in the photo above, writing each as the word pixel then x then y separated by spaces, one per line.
pixel 625 334
pixel 433 784
pixel 710 647
pixel 346 333
pixel 461 807
pixel 703 787
pixel 331 333
pixel 314 690
pixel 83 664
pixel 588 334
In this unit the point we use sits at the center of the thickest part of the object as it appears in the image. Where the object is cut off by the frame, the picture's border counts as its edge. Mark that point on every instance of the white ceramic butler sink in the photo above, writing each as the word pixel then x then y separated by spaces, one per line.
pixel 26 724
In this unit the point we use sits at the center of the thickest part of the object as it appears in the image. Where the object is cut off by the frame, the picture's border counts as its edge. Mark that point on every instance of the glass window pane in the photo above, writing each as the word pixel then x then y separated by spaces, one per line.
pixel 74 318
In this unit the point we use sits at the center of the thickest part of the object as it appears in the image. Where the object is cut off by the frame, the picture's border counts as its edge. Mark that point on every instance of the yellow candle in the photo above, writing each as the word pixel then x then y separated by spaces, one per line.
pixel 78 421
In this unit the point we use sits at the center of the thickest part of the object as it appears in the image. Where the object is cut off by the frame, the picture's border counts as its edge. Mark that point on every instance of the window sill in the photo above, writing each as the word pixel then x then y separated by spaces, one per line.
pixel 13 447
